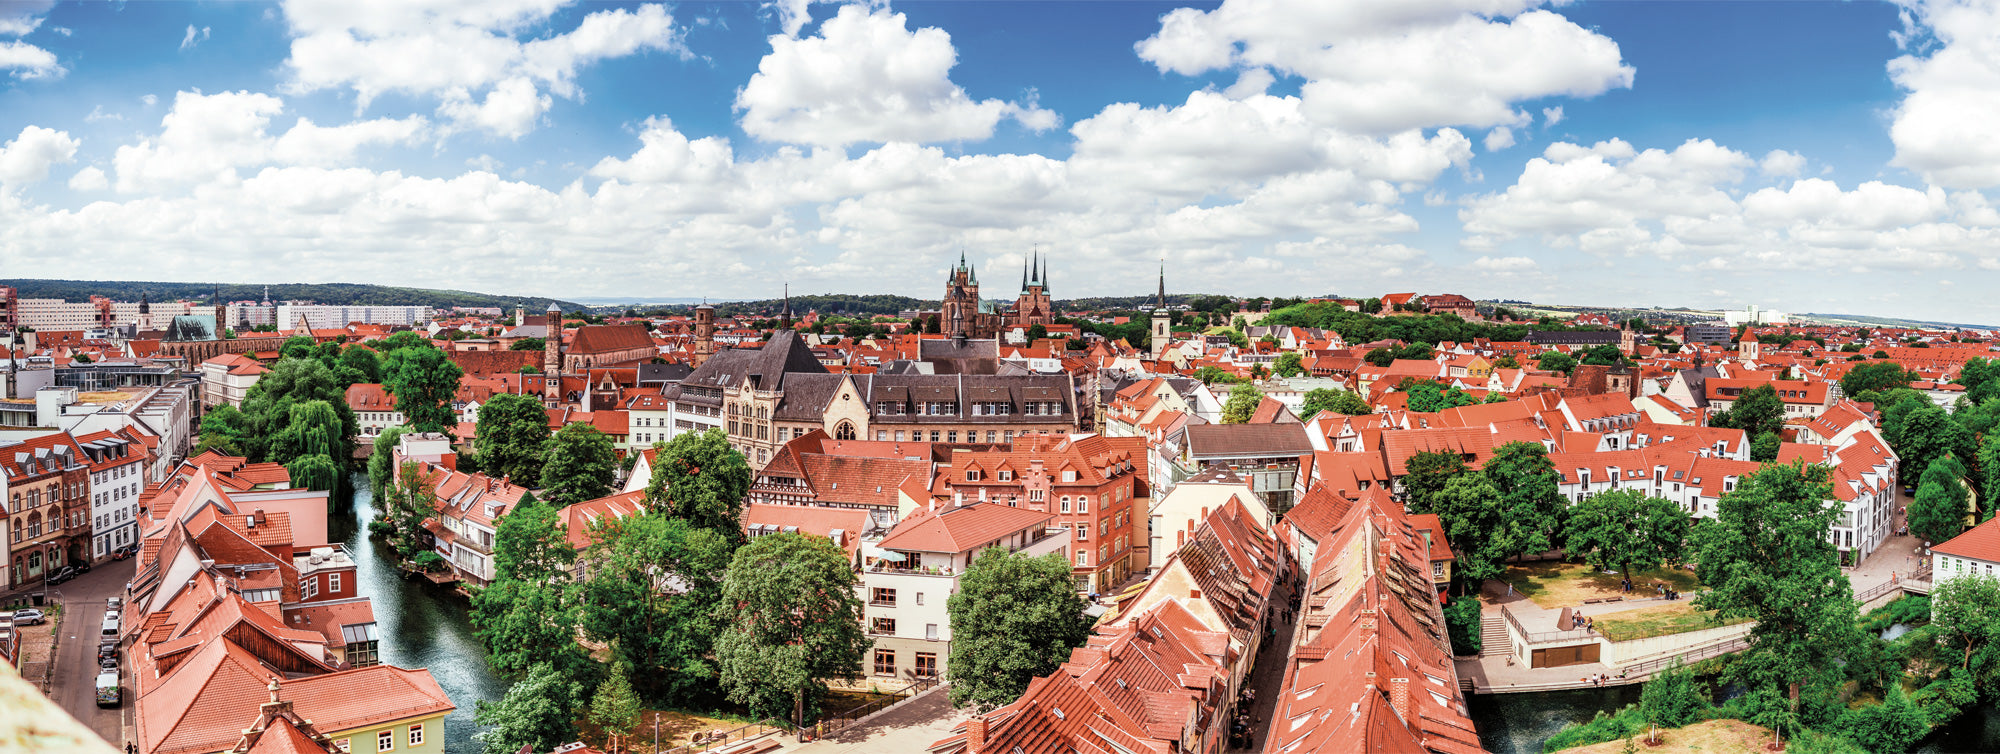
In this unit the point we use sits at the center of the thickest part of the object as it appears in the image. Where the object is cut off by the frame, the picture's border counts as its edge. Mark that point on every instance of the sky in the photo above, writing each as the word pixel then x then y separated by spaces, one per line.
pixel 1799 156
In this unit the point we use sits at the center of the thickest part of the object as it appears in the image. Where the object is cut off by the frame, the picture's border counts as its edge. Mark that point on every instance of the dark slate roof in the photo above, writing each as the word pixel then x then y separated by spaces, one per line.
pixel 912 390
pixel 1572 337
pixel 655 374
pixel 766 366
pixel 1248 440
pixel 949 356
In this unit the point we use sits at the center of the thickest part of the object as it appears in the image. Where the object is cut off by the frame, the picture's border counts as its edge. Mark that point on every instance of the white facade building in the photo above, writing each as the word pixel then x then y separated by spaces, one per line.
pixel 328 317
pixel 1974 553
pixel 117 477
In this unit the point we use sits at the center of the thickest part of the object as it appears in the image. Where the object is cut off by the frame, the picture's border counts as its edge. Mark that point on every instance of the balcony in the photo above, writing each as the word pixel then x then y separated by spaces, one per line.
pixel 900 569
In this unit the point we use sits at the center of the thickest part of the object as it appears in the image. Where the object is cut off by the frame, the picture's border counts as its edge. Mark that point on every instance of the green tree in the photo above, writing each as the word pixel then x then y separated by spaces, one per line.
pixel 1289 364
pixel 1671 699
pixel 1462 624
pixel 1335 400
pixel 697 476
pixel 312 428
pixel 578 466
pixel 528 344
pixel 1765 448
pixel 1766 556
pixel 424 382
pixel 1878 375
pixel 1213 375
pixel 1036 333
pixel 513 433
pixel 529 614
pixel 1381 357
pixel 1603 354
pixel 1507 362
pixel 539 712
pixel 1941 505
pixel 1989 474
pixel 269 404
pixel 1428 396
pixel 315 472
pixel 1757 411
pixel 409 502
pixel 1925 434
pixel 1371 306
pixel 1476 526
pixel 668 634
pixel 224 430
pixel 1893 725
pixel 1556 361
pixel 1526 481
pixel 382 461
pixel 795 623
pixel 1965 619
pixel 615 708
pixel 360 364
pixel 1626 528
pixel 1013 619
pixel 1242 404
pixel 1427 474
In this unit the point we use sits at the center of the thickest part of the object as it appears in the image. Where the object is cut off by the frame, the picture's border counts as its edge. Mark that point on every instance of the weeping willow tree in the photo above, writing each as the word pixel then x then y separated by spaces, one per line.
pixel 308 445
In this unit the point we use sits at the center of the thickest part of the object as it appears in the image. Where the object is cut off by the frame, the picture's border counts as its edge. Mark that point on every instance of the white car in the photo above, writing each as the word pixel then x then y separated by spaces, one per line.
pixel 29 617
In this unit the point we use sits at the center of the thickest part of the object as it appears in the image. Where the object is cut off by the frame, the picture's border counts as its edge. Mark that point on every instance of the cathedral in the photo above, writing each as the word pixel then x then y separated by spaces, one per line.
pixel 963 313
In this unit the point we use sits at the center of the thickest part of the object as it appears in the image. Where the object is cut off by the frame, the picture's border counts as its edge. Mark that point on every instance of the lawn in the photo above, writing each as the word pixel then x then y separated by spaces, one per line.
pixel 1555 585
pixel 1659 619
pixel 1711 737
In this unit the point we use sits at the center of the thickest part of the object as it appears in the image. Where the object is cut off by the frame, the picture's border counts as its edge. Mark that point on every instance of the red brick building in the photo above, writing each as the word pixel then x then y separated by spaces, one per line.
pixel 1090 483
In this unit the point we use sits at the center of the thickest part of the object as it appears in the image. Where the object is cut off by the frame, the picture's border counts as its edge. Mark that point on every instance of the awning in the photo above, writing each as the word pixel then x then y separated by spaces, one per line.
pixel 881 554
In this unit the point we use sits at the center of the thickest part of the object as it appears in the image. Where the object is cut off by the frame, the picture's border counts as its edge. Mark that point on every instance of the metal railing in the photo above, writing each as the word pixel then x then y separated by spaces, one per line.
pixel 727 738
pixel 1534 637
pixel 834 724
pixel 1643 669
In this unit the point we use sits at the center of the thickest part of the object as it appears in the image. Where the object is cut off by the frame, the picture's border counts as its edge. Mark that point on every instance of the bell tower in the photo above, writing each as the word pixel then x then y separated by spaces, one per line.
pixel 1163 330
pixel 704 334
pixel 552 356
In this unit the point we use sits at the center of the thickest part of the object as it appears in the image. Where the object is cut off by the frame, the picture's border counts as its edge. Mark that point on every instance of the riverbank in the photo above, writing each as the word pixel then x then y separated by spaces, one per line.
pixel 1710 737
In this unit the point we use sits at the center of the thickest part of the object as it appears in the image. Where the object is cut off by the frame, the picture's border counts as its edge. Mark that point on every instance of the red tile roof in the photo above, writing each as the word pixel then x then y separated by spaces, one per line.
pixel 960 528
pixel 1980 542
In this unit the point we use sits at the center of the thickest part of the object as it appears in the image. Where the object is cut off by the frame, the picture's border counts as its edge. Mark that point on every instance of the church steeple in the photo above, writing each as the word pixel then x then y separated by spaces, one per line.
pixel 785 318
pixel 1160 304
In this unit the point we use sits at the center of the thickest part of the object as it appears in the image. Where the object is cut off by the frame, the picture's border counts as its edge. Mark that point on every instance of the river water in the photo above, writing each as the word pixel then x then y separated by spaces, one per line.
pixel 421 625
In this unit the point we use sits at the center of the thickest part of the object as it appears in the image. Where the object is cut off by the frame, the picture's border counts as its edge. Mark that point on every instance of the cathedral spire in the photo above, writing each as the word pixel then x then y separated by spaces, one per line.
pixel 786 317
pixel 1160 304
pixel 1044 277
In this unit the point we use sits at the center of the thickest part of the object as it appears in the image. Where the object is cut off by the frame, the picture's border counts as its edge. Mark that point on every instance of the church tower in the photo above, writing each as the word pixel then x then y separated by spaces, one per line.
pixel 785 317
pixel 552 356
pixel 221 314
pixel 960 310
pixel 1163 320
pixel 145 313
pixel 704 333
pixel 1034 306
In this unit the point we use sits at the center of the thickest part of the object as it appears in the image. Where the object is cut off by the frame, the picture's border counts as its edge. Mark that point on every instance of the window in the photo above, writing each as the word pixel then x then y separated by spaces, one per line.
pixel 1082 558
pixel 385 740
pixel 972 475
pixel 1083 531
pixel 416 735
pixel 930 631
pixel 344 744
pixel 885 662
pixel 1083 503
pixel 884 626
pixel 1065 503
pixel 333 582
pixel 1006 475
pixel 884 597
pixel 920 598
pixel 926 664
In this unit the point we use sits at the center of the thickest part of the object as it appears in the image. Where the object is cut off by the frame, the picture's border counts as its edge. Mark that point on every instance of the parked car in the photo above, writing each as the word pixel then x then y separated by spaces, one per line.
pixel 108 663
pixel 112 604
pixel 83 567
pixel 67 573
pixel 29 617
pixel 107 649
pixel 108 692
pixel 122 553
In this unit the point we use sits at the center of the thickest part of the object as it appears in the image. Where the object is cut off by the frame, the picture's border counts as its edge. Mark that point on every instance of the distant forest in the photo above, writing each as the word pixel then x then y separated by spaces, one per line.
pixel 843 304
pixel 345 294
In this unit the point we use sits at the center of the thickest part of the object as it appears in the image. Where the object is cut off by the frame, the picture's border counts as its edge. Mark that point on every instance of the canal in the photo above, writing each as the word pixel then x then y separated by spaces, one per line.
pixel 421 625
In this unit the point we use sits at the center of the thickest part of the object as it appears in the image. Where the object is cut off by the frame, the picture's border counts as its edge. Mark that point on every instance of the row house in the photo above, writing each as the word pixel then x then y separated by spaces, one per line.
pixel 1155 683
pixel 1095 486
pixel 1268 456
pixel 1973 553
pixel 117 462
pixel 1801 399
pixel 1369 666
pixel 886 480
pixel 45 484
pixel 469 506
pixel 1179 514
pixel 908 577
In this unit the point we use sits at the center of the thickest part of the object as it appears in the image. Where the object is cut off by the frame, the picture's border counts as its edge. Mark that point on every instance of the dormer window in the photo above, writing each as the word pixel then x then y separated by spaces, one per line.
pixel 1006 475
pixel 972 475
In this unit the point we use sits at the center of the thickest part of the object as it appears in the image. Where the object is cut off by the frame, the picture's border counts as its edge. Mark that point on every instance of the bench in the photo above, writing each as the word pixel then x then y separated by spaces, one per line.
pixel 1603 599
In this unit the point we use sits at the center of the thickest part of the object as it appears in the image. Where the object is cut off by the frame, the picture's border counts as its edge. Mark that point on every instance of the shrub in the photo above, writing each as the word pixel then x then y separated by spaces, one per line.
pixel 1461 619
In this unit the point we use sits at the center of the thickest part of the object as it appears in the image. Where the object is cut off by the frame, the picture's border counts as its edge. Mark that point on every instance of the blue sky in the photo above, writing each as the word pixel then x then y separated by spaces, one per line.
pixel 1803 156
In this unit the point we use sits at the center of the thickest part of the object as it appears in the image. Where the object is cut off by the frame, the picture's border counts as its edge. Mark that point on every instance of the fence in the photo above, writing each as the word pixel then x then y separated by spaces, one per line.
pixel 845 719
pixel 728 738
pixel 1640 670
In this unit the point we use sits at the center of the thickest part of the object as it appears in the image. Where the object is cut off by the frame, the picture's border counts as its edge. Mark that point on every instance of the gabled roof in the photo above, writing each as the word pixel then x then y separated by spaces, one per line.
pixel 959 529
pixel 1980 542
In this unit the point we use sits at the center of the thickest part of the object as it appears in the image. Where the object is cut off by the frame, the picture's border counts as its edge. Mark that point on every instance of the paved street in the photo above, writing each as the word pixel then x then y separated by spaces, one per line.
pixel 74 676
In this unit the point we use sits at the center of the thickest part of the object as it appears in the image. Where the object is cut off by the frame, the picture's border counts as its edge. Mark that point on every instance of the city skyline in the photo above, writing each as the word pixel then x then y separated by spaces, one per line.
pixel 1798 156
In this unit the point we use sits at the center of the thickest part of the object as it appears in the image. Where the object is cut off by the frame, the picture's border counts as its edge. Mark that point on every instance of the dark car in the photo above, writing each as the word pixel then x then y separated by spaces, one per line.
pixel 107 649
pixel 67 573
pixel 83 567
pixel 108 663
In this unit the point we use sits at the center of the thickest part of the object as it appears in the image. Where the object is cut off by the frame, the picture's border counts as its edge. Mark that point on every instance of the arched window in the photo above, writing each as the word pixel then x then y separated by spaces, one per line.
pixel 844 431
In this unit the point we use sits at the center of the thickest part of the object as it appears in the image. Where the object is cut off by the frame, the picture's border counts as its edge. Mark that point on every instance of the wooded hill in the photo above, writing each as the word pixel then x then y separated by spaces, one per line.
pixel 342 294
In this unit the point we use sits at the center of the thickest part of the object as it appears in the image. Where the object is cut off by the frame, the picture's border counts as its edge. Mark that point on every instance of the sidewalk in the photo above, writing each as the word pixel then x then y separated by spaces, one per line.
pixel 911 727
pixel 1267 677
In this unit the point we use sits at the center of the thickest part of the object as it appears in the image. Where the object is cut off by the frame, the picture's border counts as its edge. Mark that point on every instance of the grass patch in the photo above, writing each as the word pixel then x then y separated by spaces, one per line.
pixel 1661 619
pixel 676 727
pixel 1557 585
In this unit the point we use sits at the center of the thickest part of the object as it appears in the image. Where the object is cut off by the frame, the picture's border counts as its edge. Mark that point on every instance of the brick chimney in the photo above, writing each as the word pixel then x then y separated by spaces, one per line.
pixel 975 735
pixel 1368 620
pixel 1399 697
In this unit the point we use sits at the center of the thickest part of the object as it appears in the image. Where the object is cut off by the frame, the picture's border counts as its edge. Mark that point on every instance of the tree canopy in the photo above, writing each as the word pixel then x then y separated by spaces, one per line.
pixel 667 634
pixel 1757 411
pixel 1628 529
pixel 1013 619
pixel 512 437
pixel 1875 375
pixel 1429 472
pixel 424 382
pixel 698 477
pixel 1335 400
pixel 1429 396
pixel 1942 503
pixel 578 466
pixel 538 712
pixel 795 625
pixel 1242 404
pixel 528 614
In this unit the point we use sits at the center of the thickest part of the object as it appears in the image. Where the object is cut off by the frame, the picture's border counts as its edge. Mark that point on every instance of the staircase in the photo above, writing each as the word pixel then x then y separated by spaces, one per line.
pixel 1493 634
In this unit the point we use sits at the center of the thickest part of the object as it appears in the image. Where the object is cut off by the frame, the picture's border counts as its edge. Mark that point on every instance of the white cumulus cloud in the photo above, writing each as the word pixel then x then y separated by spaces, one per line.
pixel 90 178
pixel 866 77
pixel 26 158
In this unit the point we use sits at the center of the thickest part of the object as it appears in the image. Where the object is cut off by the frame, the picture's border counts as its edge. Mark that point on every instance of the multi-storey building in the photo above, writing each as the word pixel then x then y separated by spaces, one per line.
pixel 330 316
pixel 227 379
pixel 1095 486
pixel 469 506
pixel 45 485
pixel 117 463
pixel 905 587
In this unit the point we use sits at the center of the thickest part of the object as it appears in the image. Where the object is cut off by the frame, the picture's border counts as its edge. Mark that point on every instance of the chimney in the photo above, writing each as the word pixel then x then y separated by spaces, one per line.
pixel 1399 697
pixel 975 735
pixel 1194 594
pixel 1368 620
pixel 448 460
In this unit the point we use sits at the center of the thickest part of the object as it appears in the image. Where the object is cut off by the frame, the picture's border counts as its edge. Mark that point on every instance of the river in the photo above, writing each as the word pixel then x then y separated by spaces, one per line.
pixel 1519 723
pixel 421 625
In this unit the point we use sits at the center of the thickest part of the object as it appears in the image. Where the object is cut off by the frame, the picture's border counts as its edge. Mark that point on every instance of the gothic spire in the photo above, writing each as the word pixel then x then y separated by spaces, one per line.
pixel 786 323
pixel 1045 276
pixel 1160 304
pixel 1024 274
